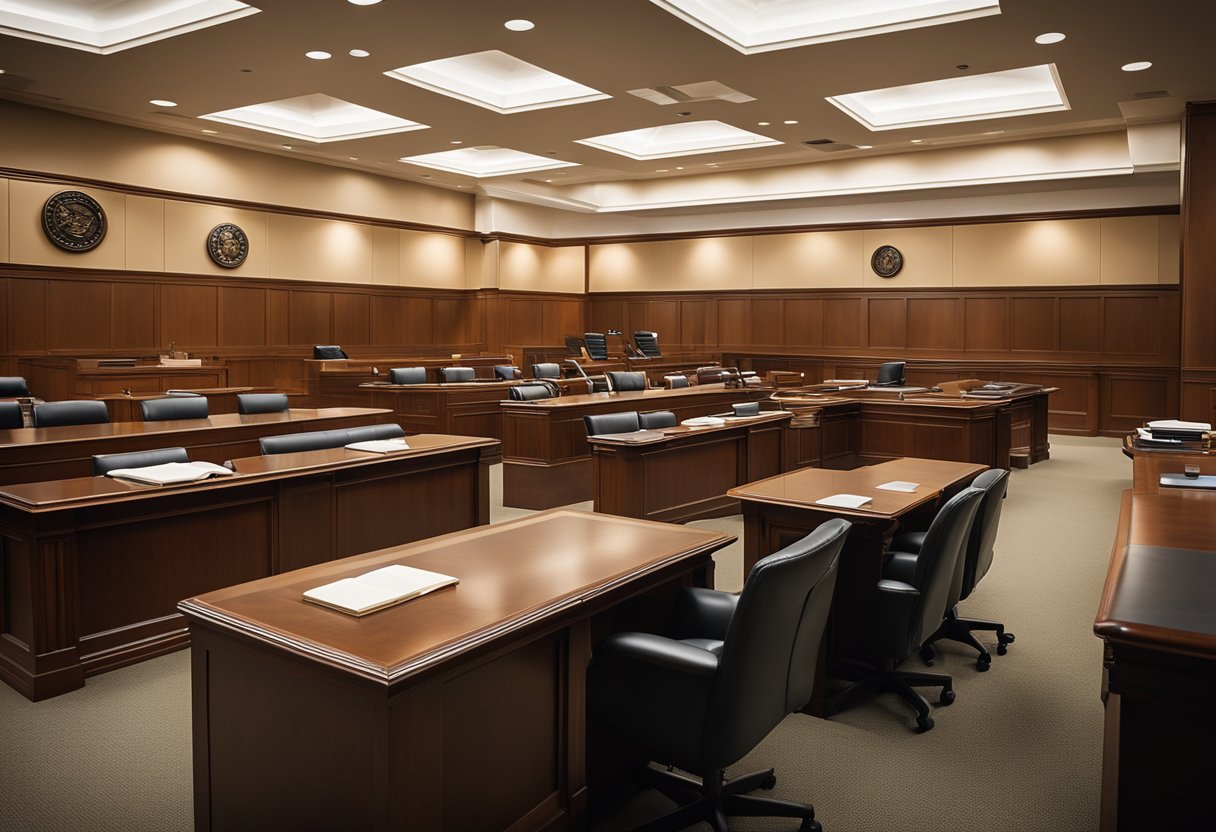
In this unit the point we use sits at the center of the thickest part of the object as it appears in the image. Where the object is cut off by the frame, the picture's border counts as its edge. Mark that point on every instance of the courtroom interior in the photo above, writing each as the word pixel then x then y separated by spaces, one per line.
pixel 648 414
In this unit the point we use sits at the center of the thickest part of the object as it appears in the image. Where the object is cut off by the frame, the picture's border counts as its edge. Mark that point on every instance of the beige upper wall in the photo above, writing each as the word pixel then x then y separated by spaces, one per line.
pixel 531 268
pixel 1082 252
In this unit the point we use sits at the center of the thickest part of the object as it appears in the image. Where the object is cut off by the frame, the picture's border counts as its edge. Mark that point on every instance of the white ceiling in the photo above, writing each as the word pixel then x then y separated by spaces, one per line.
pixel 614 46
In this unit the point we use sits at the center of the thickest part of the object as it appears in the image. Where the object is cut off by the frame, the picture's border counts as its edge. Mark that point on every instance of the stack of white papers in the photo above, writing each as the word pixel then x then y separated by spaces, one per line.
pixel 703 422
pixel 899 485
pixel 844 501
pixel 378 589
pixel 171 473
pixel 380 446
pixel 1178 424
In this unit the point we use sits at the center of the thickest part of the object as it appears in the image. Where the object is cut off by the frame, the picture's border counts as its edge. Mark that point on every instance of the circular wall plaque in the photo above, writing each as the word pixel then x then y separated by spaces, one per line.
pixel 886 261
pixel 73 221
pixel 228 245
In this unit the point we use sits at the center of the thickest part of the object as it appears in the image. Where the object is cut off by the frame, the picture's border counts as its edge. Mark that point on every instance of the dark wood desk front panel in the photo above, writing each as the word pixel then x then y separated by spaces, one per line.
pixel 94 567
pixel 685 475
pixel 35 454
pixel 339 383
pixel 460 711
pixel 546 458
pixel 126 408
pixel 469 409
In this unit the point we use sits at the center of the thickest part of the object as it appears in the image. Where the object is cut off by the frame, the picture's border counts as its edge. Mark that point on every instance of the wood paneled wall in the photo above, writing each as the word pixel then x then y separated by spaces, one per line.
pixel 1199 265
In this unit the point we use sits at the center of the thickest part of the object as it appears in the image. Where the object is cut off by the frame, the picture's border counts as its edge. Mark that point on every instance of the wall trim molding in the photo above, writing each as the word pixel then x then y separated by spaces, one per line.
pixel 952 291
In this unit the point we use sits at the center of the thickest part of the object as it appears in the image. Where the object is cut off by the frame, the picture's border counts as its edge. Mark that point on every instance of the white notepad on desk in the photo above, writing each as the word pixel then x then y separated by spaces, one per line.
pixel 171 473
pixel 899 485
pixel 380 446
pixel 844 501
pixel 378 589
pixel 703 422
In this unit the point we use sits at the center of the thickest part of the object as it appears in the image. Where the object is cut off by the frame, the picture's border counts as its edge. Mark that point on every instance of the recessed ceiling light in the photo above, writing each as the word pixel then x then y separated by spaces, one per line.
pixel 497 81
pixel 285 146
pixel 318 55
pixel 363 2
pixel 789 121
pixel 454 142
pixel 486 161
pixel 520 25
pixel 353 158
pixel 315 118
pixel 162 102
pixel 1 71
pixel 1049 37
pixel 682 139
pixel 661 170
pixel 917 141
pixel 865 147
pixel 679 167
pixel 1137 66
pixel 712 165
pixel 359 53
pixel 994 132
pixel 548 180
pixel 211 132
pixel 763 123
pixel 1009 92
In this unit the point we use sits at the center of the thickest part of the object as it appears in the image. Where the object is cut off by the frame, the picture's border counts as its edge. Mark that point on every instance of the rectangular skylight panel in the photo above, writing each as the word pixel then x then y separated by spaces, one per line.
pixel 496 81
pixel 486 161
pixel 1010 92
pixel 316 118
pixel 764 25
pixel 684 139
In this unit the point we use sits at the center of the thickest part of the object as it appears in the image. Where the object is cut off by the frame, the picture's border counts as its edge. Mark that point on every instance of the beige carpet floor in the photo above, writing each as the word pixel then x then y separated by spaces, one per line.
pixel 1019 751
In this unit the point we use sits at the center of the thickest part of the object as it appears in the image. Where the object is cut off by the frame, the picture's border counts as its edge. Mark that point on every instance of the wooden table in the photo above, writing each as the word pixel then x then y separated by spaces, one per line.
pixel 339 383
pixel 460 710
pixel 780 510
pixel 94 567
pixel 469 408
pixel 54 378
pixel 1157 618
pixel 32 454
pixel 546 458
pixel 684 473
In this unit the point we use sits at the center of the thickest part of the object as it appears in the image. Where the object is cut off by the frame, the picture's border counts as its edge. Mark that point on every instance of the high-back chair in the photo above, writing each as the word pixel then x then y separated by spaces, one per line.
pixel 657 419
pixel 597 346
pixel 547 370
pixel 247 403
pixel 77 412
pixel 174 407
pixel 456 374
pixel 602 423
pixel 622 381
pixel 735 667
pixel 506 372
pixel 407 375
pixel 12 387
pixel 647 343
pixel 11 416
pixel 105 463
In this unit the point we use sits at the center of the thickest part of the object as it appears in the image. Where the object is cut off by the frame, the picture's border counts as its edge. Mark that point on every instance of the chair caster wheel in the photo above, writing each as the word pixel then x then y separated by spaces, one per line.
pixel 1001 649
pixel 769 783
pixel 983 663
pixel 927 655
pixel 923 724
pixel 947 698
pixel 1003 640
pixel 809 825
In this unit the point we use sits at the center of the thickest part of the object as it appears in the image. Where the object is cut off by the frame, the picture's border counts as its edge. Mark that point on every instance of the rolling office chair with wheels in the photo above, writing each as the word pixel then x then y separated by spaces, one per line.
pixel 105 463
pixel 76 412
pixel 596 345
pixel 547 370
pixel 11 416
pixel 621 382
pixel 602 423
pixel 738 665
pixel 891 374
pixel 12 387
pixel 906 610
pixel 657 419
pixel 174 407
pixel 407 375
pixel 449 375
pixel 648 343
pixel 249 403
pixel 972 566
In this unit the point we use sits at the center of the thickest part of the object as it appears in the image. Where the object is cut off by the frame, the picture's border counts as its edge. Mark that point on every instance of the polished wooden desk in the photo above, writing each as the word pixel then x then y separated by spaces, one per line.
pixel 782 509
pixel 685 474
pixel 1157 618
pixel 468 409
pixel 339 383
pixel 53 378
pixel 126 408
pixel 94 567
pixel 32 454
pixel 460 710
pixel 546 458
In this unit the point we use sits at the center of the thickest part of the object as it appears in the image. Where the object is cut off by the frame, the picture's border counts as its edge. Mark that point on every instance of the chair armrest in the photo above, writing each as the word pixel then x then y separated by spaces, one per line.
pixel 659 651
pixel 900 566
pixel 897 588
pixel 703 613
pixel 909 541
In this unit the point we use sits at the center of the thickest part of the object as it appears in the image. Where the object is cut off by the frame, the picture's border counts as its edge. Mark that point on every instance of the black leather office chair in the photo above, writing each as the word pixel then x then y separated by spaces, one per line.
pixel 456 374
pixel 506 372
pixel 675 381
pixel 82 412
pixel 657 419
pixel 407 375
pixel 647 343
pixel 328 351
pixel 547 370
pixel 621 382
pixel 612 423
pixel 737 666
pixel 10 416
pixel 247 403
pixel 972 566
pixel 746 409
pixel 905 611
pixel 530 392
pixel 597 346
pixel 367 433
pixel 105 463
pixel 174 407
pixel 891 374
pixel 319 440
pixel 12 387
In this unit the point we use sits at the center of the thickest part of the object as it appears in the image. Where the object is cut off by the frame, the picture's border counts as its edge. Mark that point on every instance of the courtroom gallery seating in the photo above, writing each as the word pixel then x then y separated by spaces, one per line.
pixel 58 414
pixel 972 566
pixel 735 667
pixel 248 403
pixel 174 407
pixel 407 375
pixel 12 387
pixel 456 374
pixel 105 463
pixel 318 440
pixel 10 416
pixel 601 423
pixel 906 610
pixel 623 381
pixel 657 419
pixel 547 370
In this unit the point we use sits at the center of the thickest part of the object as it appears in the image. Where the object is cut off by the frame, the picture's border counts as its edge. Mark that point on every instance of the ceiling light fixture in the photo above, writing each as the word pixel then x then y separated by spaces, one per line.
pixel 211 132
pixel 318 55
pixel 162 102
pixel 315 118
pixel 789 121
pixel 763 123
pixel 285 146
pixel 1137 66
pixel 917 141
pixel 682 139
pixel 353 158
pixel 1048 38
pixel 865 147
pixel 520 25
pixel 363 2
pixel 485 161
pixel 359 53
pixel 454 142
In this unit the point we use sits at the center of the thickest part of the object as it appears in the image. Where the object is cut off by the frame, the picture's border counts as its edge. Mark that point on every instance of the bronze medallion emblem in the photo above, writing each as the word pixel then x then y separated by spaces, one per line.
pixel 886 261
pixel 73 221
pixel 228 245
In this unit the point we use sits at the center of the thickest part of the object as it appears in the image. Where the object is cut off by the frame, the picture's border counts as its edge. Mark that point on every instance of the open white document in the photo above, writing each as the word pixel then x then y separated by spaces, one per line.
pixel 380 446
pixel 899 485
pixel 171 473
pixel 378 589
pixel 844 501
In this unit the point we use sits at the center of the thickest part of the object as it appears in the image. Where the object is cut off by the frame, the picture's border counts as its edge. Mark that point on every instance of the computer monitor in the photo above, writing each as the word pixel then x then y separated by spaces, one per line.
pixel 891 374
